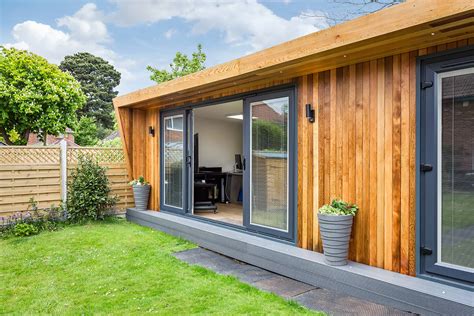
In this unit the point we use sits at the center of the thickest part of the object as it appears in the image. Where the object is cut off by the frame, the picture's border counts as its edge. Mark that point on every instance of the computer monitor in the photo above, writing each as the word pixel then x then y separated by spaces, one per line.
pixel 238 162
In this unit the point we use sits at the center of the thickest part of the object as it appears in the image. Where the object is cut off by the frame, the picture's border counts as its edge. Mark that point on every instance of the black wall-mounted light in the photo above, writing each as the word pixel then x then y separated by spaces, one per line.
pixel 310 113
pixel 151 131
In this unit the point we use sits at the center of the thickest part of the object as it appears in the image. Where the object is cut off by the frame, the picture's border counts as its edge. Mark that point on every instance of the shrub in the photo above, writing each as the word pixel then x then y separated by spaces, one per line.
pixel 339 207
pixel 40 219
pixel 88 192
pixel 25 229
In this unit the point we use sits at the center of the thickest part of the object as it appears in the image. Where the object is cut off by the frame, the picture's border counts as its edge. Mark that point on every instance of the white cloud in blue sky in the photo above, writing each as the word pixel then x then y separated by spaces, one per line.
pixel 134 33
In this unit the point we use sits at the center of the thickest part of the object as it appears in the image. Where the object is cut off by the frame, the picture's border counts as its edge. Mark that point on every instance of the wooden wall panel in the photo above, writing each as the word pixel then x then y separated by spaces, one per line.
pixel 125 124
pixel 152 156
pixel 364 153
pixel 139 148
pixel 142 149
pixel 360 141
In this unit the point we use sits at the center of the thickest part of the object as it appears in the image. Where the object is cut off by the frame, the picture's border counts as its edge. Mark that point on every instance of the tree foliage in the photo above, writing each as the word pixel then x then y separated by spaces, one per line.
pixel 268 135
pixel 111 143
pixel 182 65
pixel 35 97
pixel 98 79
pixel 86 132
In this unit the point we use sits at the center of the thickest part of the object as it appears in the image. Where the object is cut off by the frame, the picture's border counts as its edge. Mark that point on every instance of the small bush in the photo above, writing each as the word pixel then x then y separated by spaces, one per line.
pixel 42 219
pixel 88 192
pixel 25 229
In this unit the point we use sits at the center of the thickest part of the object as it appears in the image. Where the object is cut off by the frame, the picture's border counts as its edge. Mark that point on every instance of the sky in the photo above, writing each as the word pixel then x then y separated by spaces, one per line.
pixel 132 34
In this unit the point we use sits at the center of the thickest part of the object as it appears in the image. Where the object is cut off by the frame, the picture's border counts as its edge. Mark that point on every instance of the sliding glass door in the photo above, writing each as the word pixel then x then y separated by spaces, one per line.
pixel 269 157
pixel 269 147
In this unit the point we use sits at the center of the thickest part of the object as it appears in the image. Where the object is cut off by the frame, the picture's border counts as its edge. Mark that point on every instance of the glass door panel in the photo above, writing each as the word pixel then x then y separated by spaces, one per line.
pixel 456 170
pixel 269 156
pixel 269 161
pixel 173 155
pixel 446 173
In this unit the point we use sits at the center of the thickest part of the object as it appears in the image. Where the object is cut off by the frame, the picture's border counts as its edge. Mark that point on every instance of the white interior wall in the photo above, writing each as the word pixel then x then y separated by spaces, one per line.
pixel 219 141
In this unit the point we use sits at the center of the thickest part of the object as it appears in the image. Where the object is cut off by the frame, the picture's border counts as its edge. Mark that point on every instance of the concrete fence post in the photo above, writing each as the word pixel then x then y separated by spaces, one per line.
pixel 63 163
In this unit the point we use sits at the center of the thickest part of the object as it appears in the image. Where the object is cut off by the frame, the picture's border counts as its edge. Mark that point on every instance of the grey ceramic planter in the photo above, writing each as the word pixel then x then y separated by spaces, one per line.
pixel 335 234
pixel 141 194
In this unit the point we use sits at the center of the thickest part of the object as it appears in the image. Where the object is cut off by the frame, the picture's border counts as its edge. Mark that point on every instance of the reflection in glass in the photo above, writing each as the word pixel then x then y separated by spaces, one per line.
pixel 269 163
pixel 457 170
pixel 173 161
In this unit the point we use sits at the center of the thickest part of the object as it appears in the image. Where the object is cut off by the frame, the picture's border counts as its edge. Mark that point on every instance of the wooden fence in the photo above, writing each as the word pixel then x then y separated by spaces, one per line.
pixel 36 172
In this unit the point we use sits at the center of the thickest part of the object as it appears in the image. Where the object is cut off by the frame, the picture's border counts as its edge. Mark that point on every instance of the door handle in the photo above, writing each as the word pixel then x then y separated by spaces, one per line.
pixel 426 167
pixel 188 160
pixel 244 163
pixel 425 251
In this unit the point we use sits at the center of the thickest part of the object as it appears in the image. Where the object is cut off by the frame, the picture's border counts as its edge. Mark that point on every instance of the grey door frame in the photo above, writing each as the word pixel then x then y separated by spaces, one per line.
pixel 188 110
pixel 185 175
pixel 292 163
pixel 428 67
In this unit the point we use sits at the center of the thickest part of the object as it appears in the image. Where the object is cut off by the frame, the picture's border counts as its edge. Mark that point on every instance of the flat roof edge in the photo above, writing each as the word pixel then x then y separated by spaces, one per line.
pixel 416 13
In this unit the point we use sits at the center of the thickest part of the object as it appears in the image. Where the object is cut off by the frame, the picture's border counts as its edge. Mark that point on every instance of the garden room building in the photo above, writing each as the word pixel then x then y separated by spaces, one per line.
pixel 378 111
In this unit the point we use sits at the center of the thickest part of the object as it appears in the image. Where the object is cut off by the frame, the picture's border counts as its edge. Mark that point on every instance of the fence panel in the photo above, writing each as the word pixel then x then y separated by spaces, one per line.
pixel 29 172
pixel 35 172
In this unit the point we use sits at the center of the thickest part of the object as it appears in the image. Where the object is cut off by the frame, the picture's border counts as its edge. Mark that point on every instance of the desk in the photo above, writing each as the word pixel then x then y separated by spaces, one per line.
pixel 229 184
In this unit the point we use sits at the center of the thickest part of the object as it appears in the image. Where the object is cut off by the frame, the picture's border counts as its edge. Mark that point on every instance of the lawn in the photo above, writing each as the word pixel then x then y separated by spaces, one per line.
pixel 120 268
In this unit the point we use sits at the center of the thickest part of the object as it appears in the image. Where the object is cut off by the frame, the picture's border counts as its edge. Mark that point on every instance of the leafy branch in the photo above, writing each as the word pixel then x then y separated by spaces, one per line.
pixel 181 66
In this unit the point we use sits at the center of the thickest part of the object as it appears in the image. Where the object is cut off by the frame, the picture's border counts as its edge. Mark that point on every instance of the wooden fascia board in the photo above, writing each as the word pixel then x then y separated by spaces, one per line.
pixel 123 122
pixel 392 22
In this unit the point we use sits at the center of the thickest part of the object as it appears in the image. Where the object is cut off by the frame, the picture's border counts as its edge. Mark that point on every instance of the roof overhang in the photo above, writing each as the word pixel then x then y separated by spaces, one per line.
pixel 415 24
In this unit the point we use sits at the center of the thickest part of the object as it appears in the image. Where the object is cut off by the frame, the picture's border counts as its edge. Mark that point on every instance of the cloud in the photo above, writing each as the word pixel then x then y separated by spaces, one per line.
pixel 84 31
pixel 86 24
pixel 169 34
pixel 241 22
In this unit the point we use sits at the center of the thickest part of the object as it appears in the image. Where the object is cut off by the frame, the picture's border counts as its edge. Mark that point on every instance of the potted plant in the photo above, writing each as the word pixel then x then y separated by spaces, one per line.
pixel 141 192
pixel 335 225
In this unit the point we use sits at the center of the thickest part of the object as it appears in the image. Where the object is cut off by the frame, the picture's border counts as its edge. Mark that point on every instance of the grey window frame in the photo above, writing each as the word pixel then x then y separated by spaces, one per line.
pixel 184 189
pixel 428 67
pixel 292 163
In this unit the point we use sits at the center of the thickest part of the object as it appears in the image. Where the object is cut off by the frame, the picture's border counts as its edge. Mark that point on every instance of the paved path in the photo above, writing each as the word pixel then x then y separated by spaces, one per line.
pixel 310 296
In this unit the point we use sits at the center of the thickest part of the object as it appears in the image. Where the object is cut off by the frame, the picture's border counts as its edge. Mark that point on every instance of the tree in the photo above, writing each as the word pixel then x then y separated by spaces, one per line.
pixel 86 132
pixel 180 66
pixel 35 97
pixel 98 79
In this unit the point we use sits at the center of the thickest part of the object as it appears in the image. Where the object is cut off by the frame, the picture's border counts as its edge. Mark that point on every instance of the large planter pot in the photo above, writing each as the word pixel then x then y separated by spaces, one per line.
pixel 141 194
pixel 335 234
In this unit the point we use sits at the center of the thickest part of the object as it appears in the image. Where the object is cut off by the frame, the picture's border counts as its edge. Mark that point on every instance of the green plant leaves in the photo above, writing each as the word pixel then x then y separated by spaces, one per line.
pixel 338 208
pixel 35 97
pixel 89 192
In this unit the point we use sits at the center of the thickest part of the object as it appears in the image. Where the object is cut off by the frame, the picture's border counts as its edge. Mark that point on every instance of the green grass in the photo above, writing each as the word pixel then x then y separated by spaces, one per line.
pixel 116 267
pixel 458 210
